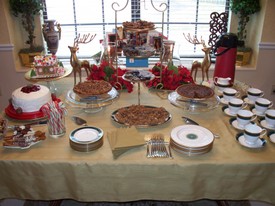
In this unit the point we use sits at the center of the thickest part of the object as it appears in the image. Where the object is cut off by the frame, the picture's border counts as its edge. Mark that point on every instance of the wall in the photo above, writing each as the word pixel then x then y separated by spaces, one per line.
pixel 261 73
pixel 263 76
pixel 9 78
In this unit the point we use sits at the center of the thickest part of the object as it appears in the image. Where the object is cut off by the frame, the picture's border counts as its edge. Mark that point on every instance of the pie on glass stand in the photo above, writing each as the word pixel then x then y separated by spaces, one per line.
pixel 92 88
pixel 194 91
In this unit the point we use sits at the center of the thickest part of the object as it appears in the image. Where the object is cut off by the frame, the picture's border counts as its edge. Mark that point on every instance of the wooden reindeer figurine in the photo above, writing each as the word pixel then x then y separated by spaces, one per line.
pixel 206 62
pixel 75 63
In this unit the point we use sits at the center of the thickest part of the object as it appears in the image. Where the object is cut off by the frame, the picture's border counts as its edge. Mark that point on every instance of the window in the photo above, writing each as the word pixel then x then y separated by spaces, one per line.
pixel 98 17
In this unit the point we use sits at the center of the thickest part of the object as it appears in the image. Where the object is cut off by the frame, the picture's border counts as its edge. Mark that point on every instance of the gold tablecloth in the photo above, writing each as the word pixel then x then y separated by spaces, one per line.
pixel 52 170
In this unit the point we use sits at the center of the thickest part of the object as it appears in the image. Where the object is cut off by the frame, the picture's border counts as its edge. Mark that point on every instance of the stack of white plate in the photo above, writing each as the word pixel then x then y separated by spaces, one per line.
pixel 86 139
pixel 191 140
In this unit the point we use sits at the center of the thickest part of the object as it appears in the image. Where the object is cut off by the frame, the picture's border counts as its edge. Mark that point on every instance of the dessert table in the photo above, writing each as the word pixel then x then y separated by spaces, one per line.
pixel 52 170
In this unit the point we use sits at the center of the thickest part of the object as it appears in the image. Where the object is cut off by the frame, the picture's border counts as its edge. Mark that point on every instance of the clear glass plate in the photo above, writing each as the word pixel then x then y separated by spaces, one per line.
pixel 93 101
pixel 194 106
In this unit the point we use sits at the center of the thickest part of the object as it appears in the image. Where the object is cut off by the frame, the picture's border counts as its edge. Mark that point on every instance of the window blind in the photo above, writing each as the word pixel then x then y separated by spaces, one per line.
pixel 98 17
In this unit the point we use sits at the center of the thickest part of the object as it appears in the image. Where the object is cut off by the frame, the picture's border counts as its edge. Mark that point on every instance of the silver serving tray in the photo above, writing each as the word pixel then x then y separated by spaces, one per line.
pixel 113 116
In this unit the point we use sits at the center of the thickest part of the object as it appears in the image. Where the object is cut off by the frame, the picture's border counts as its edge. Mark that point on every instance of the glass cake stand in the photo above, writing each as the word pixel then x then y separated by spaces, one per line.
pixel 91 104
pixel 49 80
pixel 194 106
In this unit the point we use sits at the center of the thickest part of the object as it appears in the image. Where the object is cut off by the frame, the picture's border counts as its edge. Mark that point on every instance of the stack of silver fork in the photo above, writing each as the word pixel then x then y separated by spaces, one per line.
pixel 157 147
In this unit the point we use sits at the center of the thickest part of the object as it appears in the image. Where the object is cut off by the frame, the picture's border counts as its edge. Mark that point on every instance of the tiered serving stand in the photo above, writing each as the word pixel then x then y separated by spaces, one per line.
pixel 138 76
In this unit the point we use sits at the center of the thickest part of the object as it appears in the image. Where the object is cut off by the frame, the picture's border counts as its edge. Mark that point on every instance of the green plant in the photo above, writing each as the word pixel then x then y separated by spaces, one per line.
pixel 27 10
pixel 243 9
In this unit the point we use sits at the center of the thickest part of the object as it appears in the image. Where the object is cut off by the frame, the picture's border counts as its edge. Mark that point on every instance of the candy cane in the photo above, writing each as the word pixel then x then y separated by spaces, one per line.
pixel 55 111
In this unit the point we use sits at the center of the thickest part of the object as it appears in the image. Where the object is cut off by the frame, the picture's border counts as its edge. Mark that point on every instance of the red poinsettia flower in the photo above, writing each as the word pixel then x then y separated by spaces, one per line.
pixel 171 77
pixel 110 74
pixel 96 73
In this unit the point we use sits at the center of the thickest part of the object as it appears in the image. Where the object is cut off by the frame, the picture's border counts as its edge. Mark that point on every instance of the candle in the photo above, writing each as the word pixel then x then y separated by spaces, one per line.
pixel 171 53
pixel 109 54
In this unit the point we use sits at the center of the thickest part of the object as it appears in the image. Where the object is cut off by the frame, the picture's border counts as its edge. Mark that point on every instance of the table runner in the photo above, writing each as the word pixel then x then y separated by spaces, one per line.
pixel 52 170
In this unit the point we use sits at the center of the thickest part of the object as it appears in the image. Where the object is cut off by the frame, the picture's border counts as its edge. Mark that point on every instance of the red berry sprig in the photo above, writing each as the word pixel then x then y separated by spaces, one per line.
pixel 30 88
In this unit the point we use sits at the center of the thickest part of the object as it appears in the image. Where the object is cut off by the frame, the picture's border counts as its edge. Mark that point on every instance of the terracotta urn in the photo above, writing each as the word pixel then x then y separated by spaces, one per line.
pixel 51 35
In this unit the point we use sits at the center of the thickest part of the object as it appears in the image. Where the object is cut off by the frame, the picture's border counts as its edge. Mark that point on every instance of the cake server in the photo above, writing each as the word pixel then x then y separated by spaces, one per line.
pixel 79 121
pixel 191 121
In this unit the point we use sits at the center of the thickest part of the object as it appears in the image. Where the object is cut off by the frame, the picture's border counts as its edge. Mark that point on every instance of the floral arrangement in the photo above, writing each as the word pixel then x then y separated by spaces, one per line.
pixel 172 77
pixel 108 73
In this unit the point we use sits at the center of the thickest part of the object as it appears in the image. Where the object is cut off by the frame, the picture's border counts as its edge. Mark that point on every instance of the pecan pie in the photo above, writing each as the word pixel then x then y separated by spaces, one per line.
pixel 92 87
pixel 141 115
pixel 195 91
pixel 140 24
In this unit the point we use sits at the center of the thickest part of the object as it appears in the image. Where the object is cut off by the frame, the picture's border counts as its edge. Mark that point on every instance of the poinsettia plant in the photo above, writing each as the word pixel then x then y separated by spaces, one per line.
pixel 108 73
pixel 171 77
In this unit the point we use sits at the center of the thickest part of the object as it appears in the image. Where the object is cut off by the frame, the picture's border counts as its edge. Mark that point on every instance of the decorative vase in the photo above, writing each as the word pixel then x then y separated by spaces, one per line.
pixel 51 35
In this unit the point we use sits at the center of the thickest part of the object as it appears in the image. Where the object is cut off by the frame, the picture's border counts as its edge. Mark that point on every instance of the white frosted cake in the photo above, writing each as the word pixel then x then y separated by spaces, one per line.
pixel 30 98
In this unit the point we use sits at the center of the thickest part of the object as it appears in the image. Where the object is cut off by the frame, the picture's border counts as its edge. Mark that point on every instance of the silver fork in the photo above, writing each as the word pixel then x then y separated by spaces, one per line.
pixel 159 145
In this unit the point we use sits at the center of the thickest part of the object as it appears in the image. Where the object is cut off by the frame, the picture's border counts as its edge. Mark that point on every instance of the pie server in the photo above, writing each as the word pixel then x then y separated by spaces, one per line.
pixel 191 121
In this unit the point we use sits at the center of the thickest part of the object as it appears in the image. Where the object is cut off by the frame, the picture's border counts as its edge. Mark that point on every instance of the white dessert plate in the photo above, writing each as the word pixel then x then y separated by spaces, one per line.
pixel 265 125
pixel 233 121
pixel 271 136
pixel 260 143
pixel 226 110
pixel 190 153
pixel 86 135
pixel 192 136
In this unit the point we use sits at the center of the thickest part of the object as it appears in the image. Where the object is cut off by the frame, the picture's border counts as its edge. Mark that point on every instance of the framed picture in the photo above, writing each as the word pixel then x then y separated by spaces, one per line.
pixel 111 37
pixel 143 36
